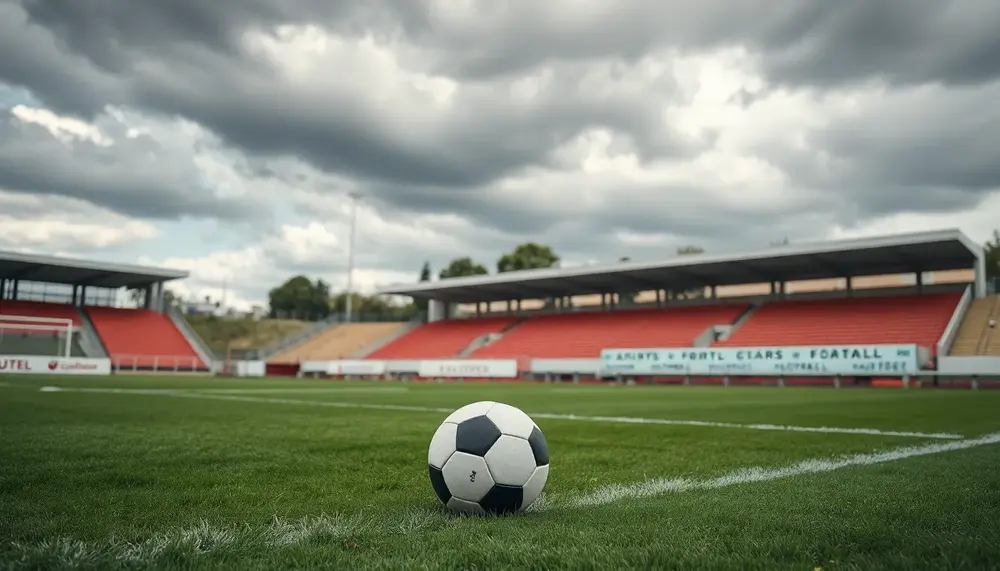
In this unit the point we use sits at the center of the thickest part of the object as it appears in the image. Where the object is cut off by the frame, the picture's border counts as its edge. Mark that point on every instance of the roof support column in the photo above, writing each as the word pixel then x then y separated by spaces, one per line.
pixel 436 310
pixel 14 288
pixel 980 276
pixel 147 296
pixel 3 288
pixel 849 285
pixel 920 282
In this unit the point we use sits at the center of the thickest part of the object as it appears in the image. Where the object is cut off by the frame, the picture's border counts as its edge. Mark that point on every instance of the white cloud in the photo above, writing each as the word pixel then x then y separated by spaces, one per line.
pixel 65 225
pixel 63 128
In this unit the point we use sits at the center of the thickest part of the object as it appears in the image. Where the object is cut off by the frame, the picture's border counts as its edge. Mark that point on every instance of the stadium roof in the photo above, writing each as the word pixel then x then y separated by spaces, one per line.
pixel 52 269
pixel 897 254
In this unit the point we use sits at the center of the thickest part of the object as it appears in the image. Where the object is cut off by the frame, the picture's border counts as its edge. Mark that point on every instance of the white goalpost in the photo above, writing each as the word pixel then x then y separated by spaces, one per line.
pixel 20 325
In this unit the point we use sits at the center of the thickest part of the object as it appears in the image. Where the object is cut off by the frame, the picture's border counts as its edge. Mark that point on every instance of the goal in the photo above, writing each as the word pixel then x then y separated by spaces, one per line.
pixel 24 335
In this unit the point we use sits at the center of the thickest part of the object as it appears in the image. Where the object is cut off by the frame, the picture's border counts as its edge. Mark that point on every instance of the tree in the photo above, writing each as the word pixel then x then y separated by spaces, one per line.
pixel 527 256
pixel 300 298
pixel 991 253
pixel 698 293
pixel 462 267
pixel 420 304
pixel 170 299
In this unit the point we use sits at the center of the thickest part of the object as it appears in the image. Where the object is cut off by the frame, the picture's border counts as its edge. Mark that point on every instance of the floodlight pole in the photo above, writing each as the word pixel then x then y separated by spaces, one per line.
pixel 348 303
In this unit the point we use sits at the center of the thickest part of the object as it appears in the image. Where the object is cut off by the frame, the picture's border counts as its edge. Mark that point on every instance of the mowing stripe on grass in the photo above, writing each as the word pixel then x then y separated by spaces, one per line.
pixel 536 415
pixel 619 492
pixel 203 539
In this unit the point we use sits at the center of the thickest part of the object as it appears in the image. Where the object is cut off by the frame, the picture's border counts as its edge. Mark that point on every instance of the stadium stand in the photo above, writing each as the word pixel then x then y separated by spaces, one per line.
pixel 583 335
pixel 442 339
pixel 143 338
pixel 338 342
pixel 919 319
pixel 976 336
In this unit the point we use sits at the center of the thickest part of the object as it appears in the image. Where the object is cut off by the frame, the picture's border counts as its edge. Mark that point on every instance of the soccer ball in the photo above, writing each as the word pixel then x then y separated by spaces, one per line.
pixel 488 458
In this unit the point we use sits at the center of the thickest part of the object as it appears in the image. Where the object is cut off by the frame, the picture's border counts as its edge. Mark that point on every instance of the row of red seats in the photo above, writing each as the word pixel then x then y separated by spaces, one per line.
pixel 919 319
pixel 133 337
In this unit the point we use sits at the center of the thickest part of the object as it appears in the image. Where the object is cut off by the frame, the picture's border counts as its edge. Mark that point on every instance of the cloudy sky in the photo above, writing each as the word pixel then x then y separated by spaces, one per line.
pixel 223 136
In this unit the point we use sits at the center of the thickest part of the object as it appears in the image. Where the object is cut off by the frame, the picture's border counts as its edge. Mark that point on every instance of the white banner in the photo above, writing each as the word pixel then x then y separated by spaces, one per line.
pixel 327 367
pixel 359 367
pixel 348 367
pixel 36 365
pixel 250 368
pixel 472 369
pixel 858 360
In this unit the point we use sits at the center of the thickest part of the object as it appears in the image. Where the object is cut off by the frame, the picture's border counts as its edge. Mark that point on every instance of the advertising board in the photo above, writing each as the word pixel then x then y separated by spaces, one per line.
pixel 472 369
pixel 34 364
pixel 856 360
pixel 358 367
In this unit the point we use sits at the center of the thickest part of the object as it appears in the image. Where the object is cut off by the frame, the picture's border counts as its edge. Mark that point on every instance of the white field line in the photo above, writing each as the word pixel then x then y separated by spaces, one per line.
pixel 544 415
pixel 204 539
pixel 299 390
pixel 618 492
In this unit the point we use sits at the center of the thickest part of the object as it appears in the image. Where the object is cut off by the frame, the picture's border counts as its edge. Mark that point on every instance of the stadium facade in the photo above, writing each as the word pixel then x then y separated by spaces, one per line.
pixel 885 309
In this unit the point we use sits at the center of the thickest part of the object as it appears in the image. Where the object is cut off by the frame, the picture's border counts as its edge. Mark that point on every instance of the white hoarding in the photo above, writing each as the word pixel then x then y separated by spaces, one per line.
pixel 472 369
pixel 359 367
pixel 250 368
pixel 327 367
pixel 34 364
pixel 862 360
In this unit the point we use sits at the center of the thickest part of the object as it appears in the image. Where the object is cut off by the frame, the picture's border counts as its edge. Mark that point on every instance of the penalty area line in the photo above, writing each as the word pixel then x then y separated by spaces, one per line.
pixel 180 393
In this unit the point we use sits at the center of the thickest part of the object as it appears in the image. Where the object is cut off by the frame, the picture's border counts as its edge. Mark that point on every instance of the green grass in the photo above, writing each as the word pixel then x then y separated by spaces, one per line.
pixel 132 481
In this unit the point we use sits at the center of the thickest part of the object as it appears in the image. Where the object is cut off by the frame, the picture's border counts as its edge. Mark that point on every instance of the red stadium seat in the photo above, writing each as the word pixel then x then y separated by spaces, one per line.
pixel 39 309
pixel 583 335
pixel 441 339
pixel 143 339
pixel 919 319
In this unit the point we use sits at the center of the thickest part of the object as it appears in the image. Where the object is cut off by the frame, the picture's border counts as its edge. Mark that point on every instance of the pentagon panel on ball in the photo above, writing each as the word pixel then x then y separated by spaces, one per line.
pixel 488 458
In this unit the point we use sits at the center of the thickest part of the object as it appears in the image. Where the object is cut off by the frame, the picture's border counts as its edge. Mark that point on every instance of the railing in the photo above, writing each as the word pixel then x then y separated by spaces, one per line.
pixel 204 351
pixel 951 331
pixel 158 363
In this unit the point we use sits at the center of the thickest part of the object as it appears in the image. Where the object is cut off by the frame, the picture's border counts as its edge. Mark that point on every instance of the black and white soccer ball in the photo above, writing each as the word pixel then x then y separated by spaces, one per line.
pixel 488 458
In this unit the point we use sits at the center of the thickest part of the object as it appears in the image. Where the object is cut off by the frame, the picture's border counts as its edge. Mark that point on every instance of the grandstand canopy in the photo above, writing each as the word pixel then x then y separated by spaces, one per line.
pixel 898 254
pixel 52 269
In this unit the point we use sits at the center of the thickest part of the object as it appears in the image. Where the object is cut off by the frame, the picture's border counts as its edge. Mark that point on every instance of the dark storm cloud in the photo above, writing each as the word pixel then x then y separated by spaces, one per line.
pixel 188 58
pixel 928 150
pixel 132 179
pixel 899 41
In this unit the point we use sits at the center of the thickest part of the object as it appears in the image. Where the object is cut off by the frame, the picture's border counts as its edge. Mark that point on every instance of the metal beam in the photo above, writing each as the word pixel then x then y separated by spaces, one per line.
pixel 749 270
pixel 823 262
pixel 94 277
pixel 23 273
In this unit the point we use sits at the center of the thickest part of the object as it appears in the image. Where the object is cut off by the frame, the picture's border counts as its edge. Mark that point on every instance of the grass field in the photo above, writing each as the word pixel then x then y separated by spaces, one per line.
pixel 172 473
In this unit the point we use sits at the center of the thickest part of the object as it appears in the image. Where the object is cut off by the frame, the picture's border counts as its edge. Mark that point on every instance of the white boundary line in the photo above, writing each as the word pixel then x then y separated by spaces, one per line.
pixel 180 393
pixel 204 539
pixel 618 492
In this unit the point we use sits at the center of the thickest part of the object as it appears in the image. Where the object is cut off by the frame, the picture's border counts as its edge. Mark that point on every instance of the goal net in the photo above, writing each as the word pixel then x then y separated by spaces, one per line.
pixel 48 336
